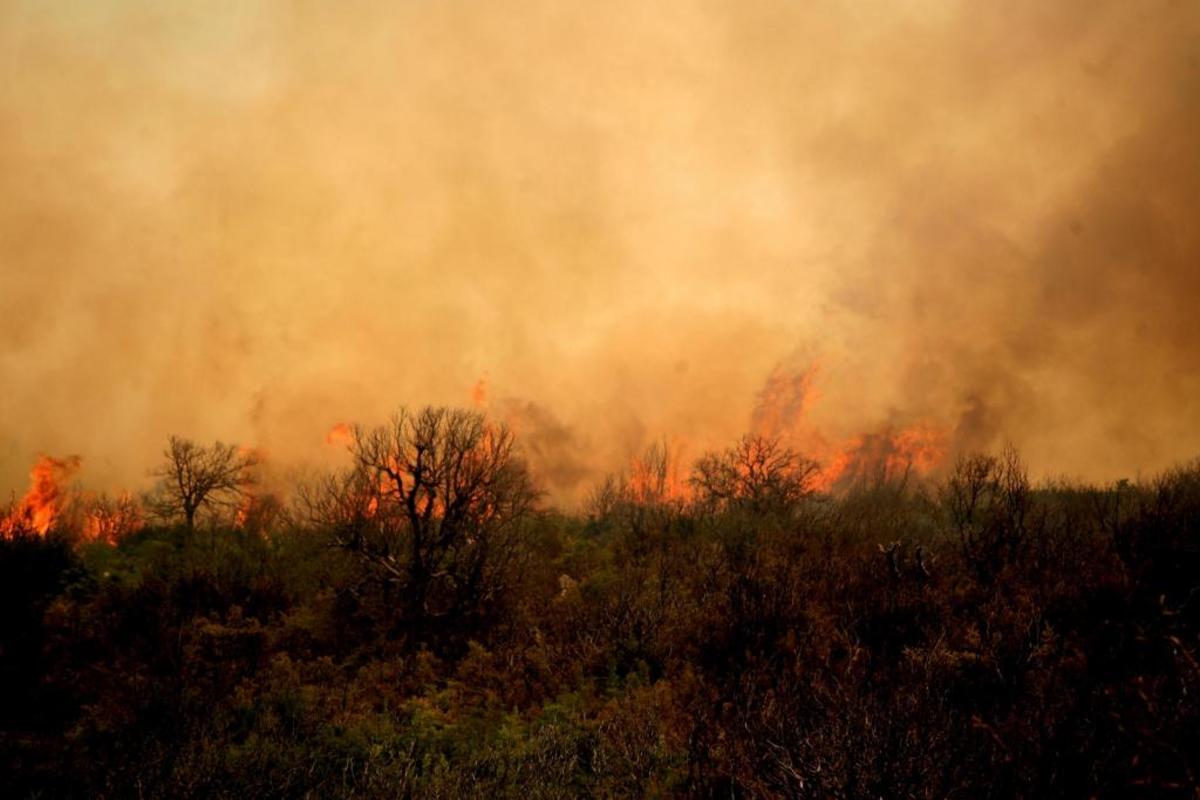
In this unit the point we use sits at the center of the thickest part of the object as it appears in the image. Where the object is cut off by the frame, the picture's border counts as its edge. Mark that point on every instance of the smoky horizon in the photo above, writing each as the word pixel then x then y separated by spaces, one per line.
pixel 924 228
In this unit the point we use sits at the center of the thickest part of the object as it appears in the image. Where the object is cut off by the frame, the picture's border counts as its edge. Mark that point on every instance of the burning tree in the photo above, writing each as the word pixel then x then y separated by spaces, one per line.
pixel 193 477
pixel 758 474
pixel 112 518
pixel 431 505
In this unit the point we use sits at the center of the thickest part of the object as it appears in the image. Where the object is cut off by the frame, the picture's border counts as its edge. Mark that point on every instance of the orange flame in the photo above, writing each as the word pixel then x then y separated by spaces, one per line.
pixel 887 453
pixel 784 401
pixel 242 514
pixel 112 520
pixel 658 475
pixel 41 506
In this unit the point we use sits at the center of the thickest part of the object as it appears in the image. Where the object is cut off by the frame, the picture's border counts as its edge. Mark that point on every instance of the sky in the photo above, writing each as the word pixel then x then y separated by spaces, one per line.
pixel 253 220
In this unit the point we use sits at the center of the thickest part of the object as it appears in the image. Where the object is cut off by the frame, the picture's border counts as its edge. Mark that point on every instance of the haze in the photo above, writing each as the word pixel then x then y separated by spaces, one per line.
pixel 254 220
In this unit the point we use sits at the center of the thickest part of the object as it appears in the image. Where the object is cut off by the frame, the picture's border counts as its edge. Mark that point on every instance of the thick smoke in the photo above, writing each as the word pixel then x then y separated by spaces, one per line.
pixel 255 220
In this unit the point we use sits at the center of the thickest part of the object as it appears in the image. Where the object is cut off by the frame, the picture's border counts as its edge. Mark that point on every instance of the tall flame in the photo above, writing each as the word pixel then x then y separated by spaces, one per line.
pixel 41 506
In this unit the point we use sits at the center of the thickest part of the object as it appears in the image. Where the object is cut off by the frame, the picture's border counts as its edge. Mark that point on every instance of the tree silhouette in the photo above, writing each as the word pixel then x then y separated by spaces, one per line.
pixel 757 473
pixel 194 477
pixel 432 505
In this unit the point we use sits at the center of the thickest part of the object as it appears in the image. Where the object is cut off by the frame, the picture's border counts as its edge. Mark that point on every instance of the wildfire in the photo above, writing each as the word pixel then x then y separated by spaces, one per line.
pixel 112 519
pixel 658 474
pixel 41 506
pixel 256 512
pixel 887 453
pixel 251 505
pixel 242 515
pixel 784 401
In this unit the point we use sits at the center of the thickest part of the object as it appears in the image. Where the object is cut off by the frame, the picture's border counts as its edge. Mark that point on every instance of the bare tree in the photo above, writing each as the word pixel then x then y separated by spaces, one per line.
pixel 988 501
pixel 432 505
pixel 111 518
pixel 647 500
pixel 757 473
pixel 194 477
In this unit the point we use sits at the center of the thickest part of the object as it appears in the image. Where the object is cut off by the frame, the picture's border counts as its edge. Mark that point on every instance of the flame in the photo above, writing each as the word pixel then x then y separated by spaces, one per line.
pixel 885 453
pixel 341 434
pixel 658 476
pixel 242 514
pixel 41 506
pixel 784 401
pixel 111 520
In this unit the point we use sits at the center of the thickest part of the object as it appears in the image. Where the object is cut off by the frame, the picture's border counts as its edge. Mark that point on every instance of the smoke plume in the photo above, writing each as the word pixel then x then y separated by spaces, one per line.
pixel 256 220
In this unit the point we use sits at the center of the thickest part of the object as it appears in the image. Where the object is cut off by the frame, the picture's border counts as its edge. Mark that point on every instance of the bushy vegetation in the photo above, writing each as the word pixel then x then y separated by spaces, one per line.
pixel 976 636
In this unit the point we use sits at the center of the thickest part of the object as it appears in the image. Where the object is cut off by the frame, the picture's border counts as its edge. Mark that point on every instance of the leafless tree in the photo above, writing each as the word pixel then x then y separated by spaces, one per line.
pixel 432 504
pixel 195 477
pixel 111 518
pixel 757 473
pixel 646 500
pixel 988 500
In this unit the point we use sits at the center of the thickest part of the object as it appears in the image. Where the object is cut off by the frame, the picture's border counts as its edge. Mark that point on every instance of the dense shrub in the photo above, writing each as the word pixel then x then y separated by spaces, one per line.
pixel 983 636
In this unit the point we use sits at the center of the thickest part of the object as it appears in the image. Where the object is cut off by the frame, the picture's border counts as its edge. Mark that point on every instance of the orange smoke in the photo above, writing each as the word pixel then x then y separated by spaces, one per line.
pixel 41 506
pixel 479 393
pixel 340 434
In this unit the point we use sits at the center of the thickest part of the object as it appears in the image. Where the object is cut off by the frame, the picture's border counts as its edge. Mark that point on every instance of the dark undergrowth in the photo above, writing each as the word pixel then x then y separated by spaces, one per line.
pixel 976 640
